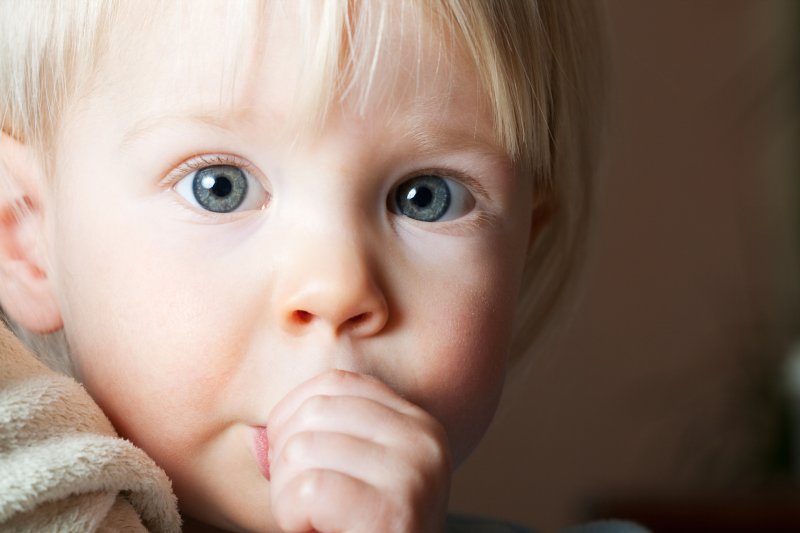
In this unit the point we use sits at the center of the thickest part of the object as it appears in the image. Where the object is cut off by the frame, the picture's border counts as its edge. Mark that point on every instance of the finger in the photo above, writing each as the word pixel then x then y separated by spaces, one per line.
pixel 356 416
pixel 358 458
pixel 414 436
pixel 326 501
pixel 339 383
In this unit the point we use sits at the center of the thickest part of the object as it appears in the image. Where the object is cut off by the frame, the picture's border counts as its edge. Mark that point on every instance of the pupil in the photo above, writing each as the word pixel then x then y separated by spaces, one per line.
pixel 421 196
pixel 222 187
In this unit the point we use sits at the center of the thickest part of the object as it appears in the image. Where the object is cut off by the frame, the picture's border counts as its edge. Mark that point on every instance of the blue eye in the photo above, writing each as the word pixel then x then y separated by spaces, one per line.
pixel 431 198
pixel 222 189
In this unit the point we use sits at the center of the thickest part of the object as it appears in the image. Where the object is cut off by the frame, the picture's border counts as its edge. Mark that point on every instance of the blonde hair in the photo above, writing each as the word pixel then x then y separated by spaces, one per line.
pixel 540 63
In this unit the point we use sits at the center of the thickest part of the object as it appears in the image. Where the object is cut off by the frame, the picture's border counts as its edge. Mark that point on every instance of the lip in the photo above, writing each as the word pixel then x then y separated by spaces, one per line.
pixel 261 445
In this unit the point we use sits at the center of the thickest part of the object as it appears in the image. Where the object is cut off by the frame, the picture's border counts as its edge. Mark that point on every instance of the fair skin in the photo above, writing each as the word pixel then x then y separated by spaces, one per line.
pixel 368 346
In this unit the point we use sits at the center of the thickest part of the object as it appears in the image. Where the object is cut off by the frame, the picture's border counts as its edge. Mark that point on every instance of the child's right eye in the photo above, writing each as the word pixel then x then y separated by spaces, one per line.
pixel 222 188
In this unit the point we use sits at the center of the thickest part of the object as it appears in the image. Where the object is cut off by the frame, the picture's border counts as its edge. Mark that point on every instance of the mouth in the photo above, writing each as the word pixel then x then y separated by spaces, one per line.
pixel 261 443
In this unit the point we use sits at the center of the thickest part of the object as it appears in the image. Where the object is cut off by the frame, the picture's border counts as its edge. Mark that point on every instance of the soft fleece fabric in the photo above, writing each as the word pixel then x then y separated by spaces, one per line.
pixel 62 465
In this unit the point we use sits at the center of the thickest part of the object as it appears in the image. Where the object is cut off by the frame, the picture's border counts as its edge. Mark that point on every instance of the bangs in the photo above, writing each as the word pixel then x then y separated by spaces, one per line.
pixel 346 43
pixel 46 48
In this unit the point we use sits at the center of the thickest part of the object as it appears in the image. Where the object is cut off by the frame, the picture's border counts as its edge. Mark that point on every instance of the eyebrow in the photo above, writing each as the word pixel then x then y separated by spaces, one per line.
pixel 449 134
pixel 147 125
pixel 426 140
pixel 432 141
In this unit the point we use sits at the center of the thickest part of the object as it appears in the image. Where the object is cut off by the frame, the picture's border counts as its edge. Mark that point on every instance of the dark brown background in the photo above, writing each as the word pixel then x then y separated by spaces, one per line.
pixel 660 380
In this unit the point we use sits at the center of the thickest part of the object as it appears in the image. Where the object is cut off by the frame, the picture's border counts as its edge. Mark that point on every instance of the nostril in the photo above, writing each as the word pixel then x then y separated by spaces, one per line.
pixel 358 319
pixel 361 322
pixel 302 317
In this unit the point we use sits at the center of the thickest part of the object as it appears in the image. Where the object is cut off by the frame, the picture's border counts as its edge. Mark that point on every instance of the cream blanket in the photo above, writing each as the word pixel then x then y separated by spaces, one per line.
pixel 62 466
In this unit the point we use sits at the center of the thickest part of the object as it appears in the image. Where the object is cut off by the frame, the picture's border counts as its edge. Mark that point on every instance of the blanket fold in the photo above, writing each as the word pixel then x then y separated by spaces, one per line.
pixel 62 465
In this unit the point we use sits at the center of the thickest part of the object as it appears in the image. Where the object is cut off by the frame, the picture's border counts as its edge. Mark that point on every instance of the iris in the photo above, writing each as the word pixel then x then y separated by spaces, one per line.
pixel 424 198
pixel 220 188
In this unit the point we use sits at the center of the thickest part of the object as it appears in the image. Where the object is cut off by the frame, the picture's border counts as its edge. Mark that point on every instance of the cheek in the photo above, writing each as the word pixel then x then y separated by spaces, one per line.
pixel 137 321
pixel 462 343
pixel 464 382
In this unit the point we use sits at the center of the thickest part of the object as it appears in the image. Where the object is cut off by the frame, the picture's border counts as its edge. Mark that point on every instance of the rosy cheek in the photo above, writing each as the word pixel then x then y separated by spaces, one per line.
pixel 460 365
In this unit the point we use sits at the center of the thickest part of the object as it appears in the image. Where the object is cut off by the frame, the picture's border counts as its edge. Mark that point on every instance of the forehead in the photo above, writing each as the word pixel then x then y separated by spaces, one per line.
pixel 219 60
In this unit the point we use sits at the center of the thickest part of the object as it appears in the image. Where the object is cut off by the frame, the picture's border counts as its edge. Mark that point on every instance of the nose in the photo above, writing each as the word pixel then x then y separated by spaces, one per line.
pixel 333 287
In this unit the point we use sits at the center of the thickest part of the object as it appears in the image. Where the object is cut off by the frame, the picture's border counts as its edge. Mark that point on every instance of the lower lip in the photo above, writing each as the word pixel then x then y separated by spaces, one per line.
pixel 262 450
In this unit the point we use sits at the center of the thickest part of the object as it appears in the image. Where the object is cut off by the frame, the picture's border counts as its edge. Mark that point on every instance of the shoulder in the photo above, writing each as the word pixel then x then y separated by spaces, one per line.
pixel 63 467
pixel 38 405
pixel 607 526
pixel 474 524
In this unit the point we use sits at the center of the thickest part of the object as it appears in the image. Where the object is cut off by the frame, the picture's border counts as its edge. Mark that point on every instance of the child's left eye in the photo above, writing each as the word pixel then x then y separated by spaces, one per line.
pixel 431 198
pixel 222 189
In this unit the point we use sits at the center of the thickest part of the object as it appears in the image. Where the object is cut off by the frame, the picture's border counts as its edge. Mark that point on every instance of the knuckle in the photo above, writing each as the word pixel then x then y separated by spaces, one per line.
pixel 314 408
pixel 284 512
pixel 432 443
pixel 398 512
pixel 338 377
pixel 297 447
pixel 309 486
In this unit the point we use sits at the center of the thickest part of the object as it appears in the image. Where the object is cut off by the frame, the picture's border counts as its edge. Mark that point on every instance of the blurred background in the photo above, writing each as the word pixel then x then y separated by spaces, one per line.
pixel 661 397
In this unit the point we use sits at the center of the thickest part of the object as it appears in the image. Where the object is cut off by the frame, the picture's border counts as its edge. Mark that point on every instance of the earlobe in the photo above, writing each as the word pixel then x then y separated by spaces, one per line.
pixel 26 293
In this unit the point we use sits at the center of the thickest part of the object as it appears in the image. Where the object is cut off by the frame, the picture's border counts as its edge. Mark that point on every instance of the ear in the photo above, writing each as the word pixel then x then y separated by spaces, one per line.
pixel 26 292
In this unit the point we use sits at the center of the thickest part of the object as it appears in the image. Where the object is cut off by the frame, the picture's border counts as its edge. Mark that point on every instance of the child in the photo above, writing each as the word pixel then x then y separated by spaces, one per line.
pixel 289 246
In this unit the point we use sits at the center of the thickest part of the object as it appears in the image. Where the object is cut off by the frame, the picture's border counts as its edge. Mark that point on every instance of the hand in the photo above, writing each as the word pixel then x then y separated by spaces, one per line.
pixel 348 454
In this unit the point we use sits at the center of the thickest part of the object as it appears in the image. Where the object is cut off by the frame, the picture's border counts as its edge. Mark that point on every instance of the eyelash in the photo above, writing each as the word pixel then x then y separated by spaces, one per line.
pixel 477 218
pixel 467 181
pixel 199 162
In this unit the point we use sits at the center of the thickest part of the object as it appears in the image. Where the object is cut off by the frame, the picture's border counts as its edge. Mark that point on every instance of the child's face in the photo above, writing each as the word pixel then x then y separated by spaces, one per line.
pixel 188 326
